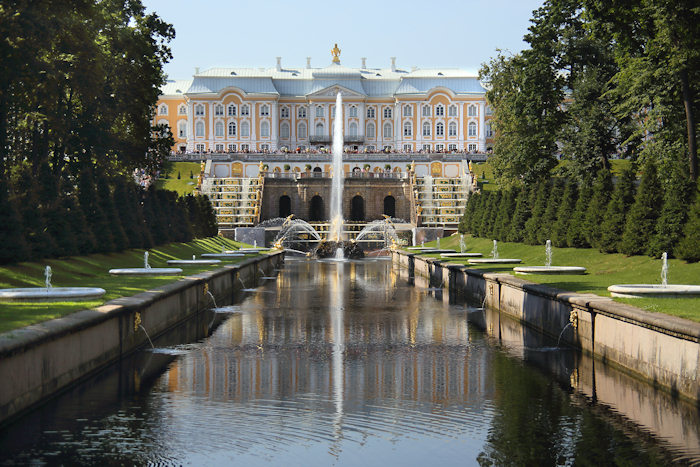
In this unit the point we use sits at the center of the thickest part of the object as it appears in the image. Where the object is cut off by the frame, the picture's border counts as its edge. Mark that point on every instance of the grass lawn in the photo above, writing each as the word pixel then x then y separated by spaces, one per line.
pixel 92 271
pixel 602 270
pixel 184 185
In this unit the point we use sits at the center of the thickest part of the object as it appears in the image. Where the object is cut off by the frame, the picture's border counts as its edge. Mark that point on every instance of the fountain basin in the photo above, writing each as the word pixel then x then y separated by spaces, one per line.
pixel 460 255
pixel 192 262
pixel 145 271
pixel 420 248
pixel 249 250
pixel 653 290
pixel 549 270
pixel 494 261
pixel 222 255
pixel 53 294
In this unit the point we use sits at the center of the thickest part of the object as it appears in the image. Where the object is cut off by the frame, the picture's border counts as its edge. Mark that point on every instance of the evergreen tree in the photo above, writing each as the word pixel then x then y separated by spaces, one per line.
pixel 522 213
pixel 616 213
pixel 491 214
pixel 674 212
pixel 13 246
pixel 210 227
pixel 689 246
pixel 576 233
pixel 41 244
pixel 564 213
pixel 641 222
pixel 539 205
pixel 602 191
pixel 463 223
pixel 544 230
pixel 96 217
pixel 52 205
pixel 183 226
pixel 478 213
pixel 107 206
pixel 79 228
pixel 505 213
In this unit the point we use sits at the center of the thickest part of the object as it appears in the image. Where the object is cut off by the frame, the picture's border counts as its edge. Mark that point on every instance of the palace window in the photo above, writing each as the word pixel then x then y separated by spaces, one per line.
pixel 219 129
pixel 301 112
pixel 426 147
pixel 439 147
pixel 199 129
pixel 408 147
pixel 426 128
pixel 332 111
pixel 370 130
pixel 426 111
pixel 387 112
pixel 199 109
pixel 407 129
pixel 284 112
pixel 219 110
pixel 301 133
pixel 452 111
pixel 232 129
pixel 471 147
pixel 163 109
pixel 245 147
pixel 284 131
pixel 219 148
pixel 245 129
pixel 182 129
pixel 451 147
pixel 265 110
pixel 489 131
pixel 264 147
pixel 440 111
pixel 182 110
pixel 352 130
pixel 231 148
pixel 407 111
pixel 452 129
pixel 231 110
pixel 371 148
pixel 199 147
pixel 387 130
pixel 352 112
pixel 265 130
pixel 370 112
pixel 471 111
pixel 472 129
pixel 319 129
pixel 440 129
pixel 319 111
pixel 245 110
pixel 489 110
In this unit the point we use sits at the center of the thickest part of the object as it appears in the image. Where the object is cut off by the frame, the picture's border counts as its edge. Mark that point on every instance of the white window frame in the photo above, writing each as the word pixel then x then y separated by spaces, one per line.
pixel 352 129
pixel 426 111
pixel 471 129
pixel 265 129
pixel 245 130
pixel 371 131
pixel 426 147
pixel 488 130
pixel 407 111
pixel 439 147
pixel 182 109
pixel 472 111
pixel 218 110
pixel 387 112
pixel 439 110
pixel 231 110
pixel 452 147
pixel 371 112
pixel 319 129
pixel 408 147
pixel 182 129
pixel 426 129
pixel 301 131
pixel 387 130
pixel 231 147
pixel 264 110
pixel 407 129
pixel 284 130
pixel 199 129
pixel 452 129
pixel 284 112
pixel 301 112
pixel 452 111
pixel 352 111
pixel 439 129
pixel 163 109
pixel 219 129
pixel 219 148
pixel 199 147
pixel 471 147
pixel 232 128
pixel 199 110
pixel 319 111
pixel 245 110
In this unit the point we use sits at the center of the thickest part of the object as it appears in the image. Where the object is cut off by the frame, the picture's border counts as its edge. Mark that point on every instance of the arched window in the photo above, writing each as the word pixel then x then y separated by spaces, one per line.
pixel 407 111
pixel 370 130
pixel 489 131
pixel 471 111
pixel 182 129
pixel 199 109
pixel 426 111
pixel 370 112
pixel 284 112
pixel 284 131
pixel 301 112
pixel 390 206
pixel 452 111
pixel 357 209
pixel 285 206
pixel 352 112
pixel 319 111
pixel 452 129
pixel 245 129
pixel 407 129
pixel 232 129
pixel 199 129
pixel 265 110
pixel 319 129
pixel 182 110
pixel 387 130
pixel 440 129
pixel 219 128
pixel 472 129
pixel 440 110
pixel 265 130
pixel 218 110
pixel 352 129
pixel 332 111
pixel 231 110
pixel 316 211
pixel 426 128
pixel 163 109
pixel 245 110
pixel 301 133
pixel 489 110
pixel 387 112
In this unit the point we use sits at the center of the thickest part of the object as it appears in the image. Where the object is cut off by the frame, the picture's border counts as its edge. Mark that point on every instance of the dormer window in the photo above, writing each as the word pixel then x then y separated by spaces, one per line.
pixel 163 109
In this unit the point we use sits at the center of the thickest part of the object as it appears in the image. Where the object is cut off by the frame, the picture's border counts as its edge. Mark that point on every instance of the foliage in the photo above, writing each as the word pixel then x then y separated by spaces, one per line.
pixel 689 246
pixel 602 189
pixel 521 214
pixel 677 192
pixel 641 222
pixel 616 213
pixel 566 208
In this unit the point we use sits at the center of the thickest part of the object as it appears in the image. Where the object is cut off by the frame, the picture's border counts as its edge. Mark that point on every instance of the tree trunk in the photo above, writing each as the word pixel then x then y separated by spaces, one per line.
pixel 690 121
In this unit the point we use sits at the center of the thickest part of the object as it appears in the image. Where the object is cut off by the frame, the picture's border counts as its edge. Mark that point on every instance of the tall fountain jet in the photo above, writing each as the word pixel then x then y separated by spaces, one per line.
pixel 336 228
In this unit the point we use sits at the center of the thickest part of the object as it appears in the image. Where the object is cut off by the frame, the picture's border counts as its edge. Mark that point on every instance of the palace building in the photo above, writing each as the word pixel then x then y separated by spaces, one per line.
pixel 284 108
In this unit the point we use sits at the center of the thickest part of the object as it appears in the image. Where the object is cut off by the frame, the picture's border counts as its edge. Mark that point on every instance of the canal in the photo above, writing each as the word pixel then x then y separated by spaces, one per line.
pixel 354 363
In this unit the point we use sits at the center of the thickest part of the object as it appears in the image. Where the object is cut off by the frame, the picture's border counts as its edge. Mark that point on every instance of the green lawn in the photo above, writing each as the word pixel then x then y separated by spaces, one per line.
pixel 184 185
pixel 603 270
pixel 92 271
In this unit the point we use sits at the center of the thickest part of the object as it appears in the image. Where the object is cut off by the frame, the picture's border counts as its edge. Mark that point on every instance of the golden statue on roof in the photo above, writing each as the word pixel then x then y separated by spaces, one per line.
pixel 336 54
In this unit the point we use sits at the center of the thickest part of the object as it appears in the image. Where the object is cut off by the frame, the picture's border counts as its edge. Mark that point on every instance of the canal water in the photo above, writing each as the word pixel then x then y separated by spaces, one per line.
pixel 354 363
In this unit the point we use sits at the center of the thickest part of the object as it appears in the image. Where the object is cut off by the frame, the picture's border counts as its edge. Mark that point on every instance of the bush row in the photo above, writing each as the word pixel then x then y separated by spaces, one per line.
pixel 56 217
pixel 649 218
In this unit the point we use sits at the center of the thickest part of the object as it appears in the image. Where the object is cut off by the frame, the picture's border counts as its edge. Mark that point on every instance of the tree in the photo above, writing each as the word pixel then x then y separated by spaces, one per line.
pixel 550 213
pixel 616 213
pixel 505 212
pixel 641 222
pixel 520 216
pixel 602 190
pixel 13 246
pixel 576 233
pixel 677 191
pixel 689 246
pixel 534 223
pixel 564 213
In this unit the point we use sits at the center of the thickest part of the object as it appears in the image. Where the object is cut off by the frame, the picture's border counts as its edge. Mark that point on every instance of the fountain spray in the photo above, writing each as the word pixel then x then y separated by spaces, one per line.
pixel 336 227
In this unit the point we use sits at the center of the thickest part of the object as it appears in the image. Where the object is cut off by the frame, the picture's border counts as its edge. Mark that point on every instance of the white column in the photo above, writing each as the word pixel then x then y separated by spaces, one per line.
pixel 209 136
pixel 293 127
pixel 461 114
pixel 274 125
pixel 190 126
pixel 482 133
pixel 327 113
pixel 398 127
pixel 253 121
pixel 363 113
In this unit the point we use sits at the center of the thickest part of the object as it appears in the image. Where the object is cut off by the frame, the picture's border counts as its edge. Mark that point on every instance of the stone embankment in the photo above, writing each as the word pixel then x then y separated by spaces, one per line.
pixel 39 361
pixel 662 349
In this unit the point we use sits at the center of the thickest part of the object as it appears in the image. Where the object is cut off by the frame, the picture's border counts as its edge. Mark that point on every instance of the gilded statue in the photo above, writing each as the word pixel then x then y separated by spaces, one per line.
pixel 336 54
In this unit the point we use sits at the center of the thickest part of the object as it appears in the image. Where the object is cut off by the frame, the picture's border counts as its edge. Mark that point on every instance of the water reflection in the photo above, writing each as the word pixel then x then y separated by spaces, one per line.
pixel 344 364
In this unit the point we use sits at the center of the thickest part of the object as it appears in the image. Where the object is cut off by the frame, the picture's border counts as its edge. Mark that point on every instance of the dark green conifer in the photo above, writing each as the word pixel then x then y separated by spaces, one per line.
pixel 576 233
pixel 644 213
pixel 41 244
pixel 564 213
pixel 505 213
pixel 674 212
pixel 522 212
pixel 602 192
pixel 616 213
pixel 533 224
pixel 95 216
pixel 108 208
pixel 477 214
pixel 491 214
pixel 544 233
pixel 688 247
pixel 210 226
pixel 13 247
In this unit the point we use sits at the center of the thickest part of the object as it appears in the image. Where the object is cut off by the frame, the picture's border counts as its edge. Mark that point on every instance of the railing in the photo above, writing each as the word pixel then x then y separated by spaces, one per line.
pixel 367 175
pixel 324 157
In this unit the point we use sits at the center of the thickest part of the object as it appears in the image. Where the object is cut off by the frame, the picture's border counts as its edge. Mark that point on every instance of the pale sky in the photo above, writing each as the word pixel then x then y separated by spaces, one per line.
pixel 427 34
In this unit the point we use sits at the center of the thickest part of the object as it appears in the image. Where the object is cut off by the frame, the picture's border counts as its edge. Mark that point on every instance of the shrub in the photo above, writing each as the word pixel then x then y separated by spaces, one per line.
pixel 539 206
pixel 602 192
pixel 641 222
pixel 521 214
pixel 564 213
pixel 674 212
pixel 616 212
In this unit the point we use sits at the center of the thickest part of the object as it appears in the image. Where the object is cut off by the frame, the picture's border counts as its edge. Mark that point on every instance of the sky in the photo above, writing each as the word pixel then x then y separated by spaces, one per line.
pixel 426 34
